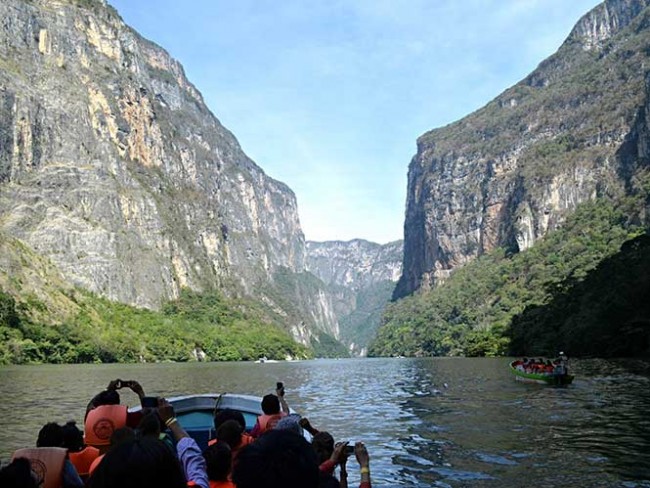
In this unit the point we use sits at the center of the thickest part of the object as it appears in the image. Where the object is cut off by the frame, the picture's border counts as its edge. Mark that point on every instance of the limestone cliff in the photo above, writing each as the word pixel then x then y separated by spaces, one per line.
pixel 113 168
pixel 360 276
pixel 510 172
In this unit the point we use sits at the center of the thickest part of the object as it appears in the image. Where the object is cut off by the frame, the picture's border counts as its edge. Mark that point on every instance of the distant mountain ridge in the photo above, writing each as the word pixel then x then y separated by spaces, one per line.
pixel 361 276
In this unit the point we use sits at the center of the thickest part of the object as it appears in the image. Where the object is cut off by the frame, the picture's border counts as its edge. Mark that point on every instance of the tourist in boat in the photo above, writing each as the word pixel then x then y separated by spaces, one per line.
pixel 274 407
pixel 188 451
pixel 138 463
pixel 51 435
pixel 123 434
pixel 104 414
pixel 237 438
pixel 329 456
pixel 18 474
pixel 218 459
pixel 258 464
pixel 80 455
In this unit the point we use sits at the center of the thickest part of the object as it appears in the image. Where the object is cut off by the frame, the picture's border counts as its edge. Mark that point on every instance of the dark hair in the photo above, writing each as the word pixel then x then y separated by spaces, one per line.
pixel 230 432
pixel 218 459
pixel 73 438
pixel 323 444
pixel 137 463
pixel 277 459
pixel 50 435
pixel 270 404
pixel 121 435
pixel 150 425
pixel 106 397
pixel 18 474
pixel 226 414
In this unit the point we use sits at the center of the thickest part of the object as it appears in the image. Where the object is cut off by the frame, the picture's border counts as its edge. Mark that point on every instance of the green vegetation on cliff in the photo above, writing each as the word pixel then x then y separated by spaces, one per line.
pixel 606 315
pixel 470 314
pixel 104 331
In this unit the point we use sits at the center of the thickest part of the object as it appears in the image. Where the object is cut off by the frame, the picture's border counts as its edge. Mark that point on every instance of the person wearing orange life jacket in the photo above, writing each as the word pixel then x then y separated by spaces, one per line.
pixel 272 414
pixel 237 438
pixel 51 436
pixel 218 459
pixel 80 456
pixel 105 414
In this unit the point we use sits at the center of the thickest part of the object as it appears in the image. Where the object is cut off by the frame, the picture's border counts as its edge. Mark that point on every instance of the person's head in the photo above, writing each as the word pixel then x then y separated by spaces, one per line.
pixel 226 414
pixel 73 438
pixel 136 463
pixel 50 435
pixel 150 425
pixel 277 459
pixel 18 474
pixel 323 444
pixel 230 432
pixel 106 397
pixel 270 404
pixel 290 422
pixel 122 435
pixel 218 459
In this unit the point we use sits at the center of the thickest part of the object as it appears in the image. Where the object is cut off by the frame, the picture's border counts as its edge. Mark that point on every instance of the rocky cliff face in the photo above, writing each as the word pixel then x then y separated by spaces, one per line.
pixel 360 276
pixel 510 172
pixel 113 168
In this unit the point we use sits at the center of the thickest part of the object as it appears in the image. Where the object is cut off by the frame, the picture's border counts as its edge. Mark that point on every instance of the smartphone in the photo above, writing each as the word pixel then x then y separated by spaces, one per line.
pixel 149 402
pixel 349 449
pixel 279 385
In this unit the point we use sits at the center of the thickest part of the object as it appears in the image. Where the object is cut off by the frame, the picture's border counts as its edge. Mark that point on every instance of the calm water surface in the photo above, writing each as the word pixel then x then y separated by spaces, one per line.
pixel 441 422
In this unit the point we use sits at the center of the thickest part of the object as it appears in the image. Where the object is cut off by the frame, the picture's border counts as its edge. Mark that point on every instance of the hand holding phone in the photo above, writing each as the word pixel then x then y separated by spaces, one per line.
pixel 149 402
pixel 279 388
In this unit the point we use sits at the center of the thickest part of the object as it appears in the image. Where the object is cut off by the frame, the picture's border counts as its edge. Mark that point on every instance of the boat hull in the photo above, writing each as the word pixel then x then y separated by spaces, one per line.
pixel 540 379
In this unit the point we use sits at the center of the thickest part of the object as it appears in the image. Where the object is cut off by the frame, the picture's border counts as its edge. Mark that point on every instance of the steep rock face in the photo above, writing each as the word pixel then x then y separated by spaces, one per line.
pixel 360 277
pixel 112 166
pixel 354 264
pixel 510 172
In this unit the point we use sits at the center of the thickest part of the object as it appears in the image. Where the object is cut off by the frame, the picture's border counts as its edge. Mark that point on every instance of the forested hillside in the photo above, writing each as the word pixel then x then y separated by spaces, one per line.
pixel 471 313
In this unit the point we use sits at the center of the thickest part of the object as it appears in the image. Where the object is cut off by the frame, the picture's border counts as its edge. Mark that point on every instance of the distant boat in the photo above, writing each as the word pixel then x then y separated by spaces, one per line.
pixel 549 378
pixel 265 360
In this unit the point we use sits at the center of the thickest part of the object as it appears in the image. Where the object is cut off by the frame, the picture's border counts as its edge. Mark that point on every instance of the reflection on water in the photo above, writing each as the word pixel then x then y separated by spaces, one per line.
pixel 427 422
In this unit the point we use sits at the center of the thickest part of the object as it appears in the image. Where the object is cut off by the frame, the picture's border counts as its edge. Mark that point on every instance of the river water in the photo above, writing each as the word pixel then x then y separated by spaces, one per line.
pixel 443 422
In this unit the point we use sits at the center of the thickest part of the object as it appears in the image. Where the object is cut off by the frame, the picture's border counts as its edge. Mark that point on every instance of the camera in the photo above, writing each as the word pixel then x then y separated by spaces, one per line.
pixel 149 402
pixel 349 450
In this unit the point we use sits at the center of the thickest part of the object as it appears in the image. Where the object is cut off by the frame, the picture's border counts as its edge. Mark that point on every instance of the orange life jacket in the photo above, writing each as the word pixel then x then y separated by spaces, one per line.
pixel 245 440
pixel 101 422
pixel 83 459
pixel 94 464
pixel 267 422
pixel 221 484
pixel 46 462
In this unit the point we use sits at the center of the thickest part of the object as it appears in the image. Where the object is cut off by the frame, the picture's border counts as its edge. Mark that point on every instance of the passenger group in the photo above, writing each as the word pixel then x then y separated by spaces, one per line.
pixel 149 447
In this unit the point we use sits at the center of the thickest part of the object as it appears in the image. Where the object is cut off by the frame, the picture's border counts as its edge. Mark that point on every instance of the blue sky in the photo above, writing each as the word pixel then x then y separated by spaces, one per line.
pixel 330 96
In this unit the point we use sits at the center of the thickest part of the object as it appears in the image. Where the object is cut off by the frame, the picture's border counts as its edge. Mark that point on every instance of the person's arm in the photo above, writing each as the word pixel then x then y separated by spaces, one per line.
pixel 280 394
pixel 363 459
pixel 71 478
pixel 135 388
pixel 255 431
pixel 187 449
pixel 305 424
pixel 343 483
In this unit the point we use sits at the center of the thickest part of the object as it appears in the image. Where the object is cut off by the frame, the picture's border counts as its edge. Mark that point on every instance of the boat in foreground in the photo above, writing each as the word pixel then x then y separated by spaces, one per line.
pixel 552 378
pixel 195 413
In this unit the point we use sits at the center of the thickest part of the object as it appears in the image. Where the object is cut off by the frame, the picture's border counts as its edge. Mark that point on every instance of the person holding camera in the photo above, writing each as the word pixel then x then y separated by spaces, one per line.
pixel 275 407
pixel 105 414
